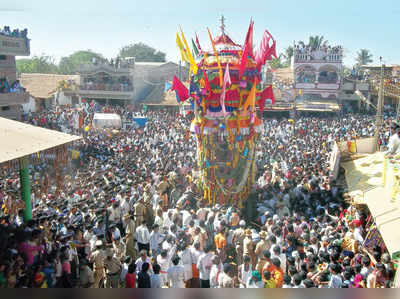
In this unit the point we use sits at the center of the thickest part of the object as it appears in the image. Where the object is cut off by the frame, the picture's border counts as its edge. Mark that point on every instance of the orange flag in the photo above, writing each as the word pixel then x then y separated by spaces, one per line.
pixel 251 98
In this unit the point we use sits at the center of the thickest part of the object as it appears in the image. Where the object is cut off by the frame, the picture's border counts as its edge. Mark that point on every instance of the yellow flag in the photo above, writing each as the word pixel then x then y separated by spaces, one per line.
pixel 251 98
pixel 221 80
pixel 181 48
pixel 192 62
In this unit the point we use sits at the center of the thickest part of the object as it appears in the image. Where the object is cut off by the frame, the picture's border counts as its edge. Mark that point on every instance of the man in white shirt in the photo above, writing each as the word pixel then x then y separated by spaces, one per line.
pixel 216 269
pixel 176 274
pixel 141 260
pixel 143 237
pixel 204 265
pixel 394 140
pixel 155 240
pixel 164 262
pixel 186 261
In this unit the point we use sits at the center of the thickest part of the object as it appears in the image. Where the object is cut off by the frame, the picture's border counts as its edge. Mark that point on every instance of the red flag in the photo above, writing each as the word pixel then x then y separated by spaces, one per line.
pixel 263 47
pixel 249 38
pixel 181 91
pixel 198 43
pixel 267 93
pixel 243 60
pixel 247 49
pixel 271 52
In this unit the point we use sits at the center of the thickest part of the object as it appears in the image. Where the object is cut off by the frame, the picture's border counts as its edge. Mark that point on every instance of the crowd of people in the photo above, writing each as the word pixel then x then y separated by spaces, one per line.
pixel 14 33
pixel 130 214
pixel 307 49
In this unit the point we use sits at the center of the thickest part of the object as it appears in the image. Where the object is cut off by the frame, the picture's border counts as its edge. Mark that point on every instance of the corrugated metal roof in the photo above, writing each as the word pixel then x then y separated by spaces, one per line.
pixel 20 139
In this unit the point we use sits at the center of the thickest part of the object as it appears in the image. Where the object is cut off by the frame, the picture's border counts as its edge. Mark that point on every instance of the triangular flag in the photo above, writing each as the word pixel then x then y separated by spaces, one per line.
pixel 195 50
pixel 251 98
pixel 198 43
pixel 243 60
pixel 227 80
pixel 181 48
pixel 249 38
pixel 193 65
pixel 182 93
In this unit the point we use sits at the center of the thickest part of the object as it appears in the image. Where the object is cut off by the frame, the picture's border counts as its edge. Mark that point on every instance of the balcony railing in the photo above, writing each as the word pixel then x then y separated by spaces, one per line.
pixel 9 99
pixel 120 87
pixel 14 46
pixel 311 58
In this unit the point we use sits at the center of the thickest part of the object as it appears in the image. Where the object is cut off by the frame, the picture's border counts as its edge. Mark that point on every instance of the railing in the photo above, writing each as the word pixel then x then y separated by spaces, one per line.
pixel 13 98
pixel 309 57
pixel 14 46
pixel 107 87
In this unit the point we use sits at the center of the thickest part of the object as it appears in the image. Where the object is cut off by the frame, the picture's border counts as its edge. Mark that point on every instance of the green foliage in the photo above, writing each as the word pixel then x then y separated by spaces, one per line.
pixel 289 52
pixel 277 63
pixel 142 53
pixel 43 64
pixel 364 57
pixel 315 42
pixel 71 63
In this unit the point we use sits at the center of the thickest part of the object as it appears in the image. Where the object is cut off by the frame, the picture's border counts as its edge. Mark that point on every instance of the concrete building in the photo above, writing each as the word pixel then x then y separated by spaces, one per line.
pixel 106 83
pixel 12 96
pixel 317 76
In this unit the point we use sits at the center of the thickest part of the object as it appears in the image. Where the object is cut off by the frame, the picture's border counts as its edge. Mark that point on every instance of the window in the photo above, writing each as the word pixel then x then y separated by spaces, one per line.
pixel 3 57
pixel 5 108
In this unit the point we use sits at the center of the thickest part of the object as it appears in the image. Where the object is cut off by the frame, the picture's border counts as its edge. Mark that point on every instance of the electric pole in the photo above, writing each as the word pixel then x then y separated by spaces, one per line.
pixel 378 124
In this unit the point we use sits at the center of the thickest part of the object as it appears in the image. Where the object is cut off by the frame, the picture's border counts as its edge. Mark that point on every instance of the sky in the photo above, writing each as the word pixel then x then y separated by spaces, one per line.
pixel 59 28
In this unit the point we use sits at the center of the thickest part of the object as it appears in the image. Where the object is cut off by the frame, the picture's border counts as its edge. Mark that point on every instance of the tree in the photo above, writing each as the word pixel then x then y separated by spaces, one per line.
pixel 142 53
pixel 71 63
pixel 288 55
pixel 276 63
pixel 43 64
pixel 364 57
pixel 315 42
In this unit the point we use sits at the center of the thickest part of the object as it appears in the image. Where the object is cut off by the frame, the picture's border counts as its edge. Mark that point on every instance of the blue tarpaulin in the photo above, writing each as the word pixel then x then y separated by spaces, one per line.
pixel 141 121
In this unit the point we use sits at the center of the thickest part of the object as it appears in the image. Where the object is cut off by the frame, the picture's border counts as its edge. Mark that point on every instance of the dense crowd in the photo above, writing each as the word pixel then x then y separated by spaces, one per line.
pixel 130 213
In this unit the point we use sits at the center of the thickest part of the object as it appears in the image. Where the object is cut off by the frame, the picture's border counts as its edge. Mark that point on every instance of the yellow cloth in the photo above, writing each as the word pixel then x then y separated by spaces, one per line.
pixel 181 48
pixel 270 284
pixel 193 65
pixel 75 154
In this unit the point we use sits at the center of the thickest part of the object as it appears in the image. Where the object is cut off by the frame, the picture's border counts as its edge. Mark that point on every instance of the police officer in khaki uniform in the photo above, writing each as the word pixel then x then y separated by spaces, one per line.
pixel 248 247
pixel 140 211
pixel 97 258
pixel 119 249
pixel 237 241
pixel 113 268
pixel 262 245
pixel 130 236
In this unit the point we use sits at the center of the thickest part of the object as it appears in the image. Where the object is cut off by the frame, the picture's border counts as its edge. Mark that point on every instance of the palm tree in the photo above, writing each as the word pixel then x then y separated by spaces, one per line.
pixel 316 42
pixel 364 57
pixel 288 55
pixel 276 63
